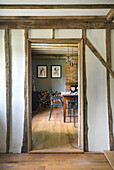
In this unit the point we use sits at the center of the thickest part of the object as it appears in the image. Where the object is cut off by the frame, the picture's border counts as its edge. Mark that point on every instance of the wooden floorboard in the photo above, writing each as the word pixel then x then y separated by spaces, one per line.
pixel 53 136
pixel 110 157
pixel 87 161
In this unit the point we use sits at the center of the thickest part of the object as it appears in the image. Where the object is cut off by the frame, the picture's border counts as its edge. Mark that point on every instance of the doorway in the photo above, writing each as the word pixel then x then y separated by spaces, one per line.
pixel 48 140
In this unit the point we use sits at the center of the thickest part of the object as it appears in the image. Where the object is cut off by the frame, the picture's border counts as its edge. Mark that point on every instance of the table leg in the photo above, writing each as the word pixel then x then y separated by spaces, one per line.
pixel 64 109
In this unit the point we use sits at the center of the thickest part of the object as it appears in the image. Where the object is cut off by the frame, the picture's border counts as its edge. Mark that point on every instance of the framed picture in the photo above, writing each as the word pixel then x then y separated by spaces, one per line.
pixel 42 71
pixel 56 71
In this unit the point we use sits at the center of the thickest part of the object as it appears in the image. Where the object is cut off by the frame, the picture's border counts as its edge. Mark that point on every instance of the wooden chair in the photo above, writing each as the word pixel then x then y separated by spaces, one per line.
pixel 54 104
pixel 72 105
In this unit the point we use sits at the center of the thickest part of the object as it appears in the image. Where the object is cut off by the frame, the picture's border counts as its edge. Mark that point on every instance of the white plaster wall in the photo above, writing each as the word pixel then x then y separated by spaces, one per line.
pixel 40 33
pixel 98 136
pixel 111 79
pixel 96 87
pixel 18 70
pixel 3 124
pixel 68 33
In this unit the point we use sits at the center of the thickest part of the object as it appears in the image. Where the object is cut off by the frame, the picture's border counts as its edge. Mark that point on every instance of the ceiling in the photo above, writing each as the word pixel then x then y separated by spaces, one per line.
pixel 54 49
pixel 54 12
pixel 57 2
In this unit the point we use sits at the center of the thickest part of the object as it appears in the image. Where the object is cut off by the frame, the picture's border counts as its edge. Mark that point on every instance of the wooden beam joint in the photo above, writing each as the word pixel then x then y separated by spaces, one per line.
pixel 110 16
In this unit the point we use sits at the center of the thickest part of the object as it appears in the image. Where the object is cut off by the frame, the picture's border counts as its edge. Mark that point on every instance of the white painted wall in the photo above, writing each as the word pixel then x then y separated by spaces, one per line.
pixel 111 79
pixel 68 33
pixel 40 33
pixel 96 87
pixel 96 94
pixel 18 70
pixel 3 124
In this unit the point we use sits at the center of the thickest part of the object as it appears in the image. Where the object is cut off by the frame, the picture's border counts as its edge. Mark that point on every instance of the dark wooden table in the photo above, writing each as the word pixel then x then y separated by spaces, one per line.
pixel 65 98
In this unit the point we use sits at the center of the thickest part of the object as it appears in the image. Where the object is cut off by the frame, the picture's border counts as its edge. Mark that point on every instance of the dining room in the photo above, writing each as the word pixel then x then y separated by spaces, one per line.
pixel 55 96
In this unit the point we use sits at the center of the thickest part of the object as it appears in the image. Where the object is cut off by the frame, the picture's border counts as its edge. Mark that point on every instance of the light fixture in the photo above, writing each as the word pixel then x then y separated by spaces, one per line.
pixel 72 60
pixel 69 58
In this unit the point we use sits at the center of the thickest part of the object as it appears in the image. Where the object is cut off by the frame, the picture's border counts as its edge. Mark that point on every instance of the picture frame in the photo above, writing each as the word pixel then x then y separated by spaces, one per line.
pixel 56 71
pixel 42 71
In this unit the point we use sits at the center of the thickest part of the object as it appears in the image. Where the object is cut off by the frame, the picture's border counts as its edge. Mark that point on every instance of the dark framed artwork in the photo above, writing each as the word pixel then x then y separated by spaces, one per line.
pixel 56 71
pixel 42 71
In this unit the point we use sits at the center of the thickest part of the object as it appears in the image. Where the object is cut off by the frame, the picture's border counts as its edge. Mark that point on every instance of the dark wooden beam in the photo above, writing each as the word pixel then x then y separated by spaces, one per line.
pixel 110 119
pixel 53 33
pixel 53 24
pixel 25 132
pixel 8 88
pixel 97 54
pixel 110 15
pixel 77 18
pixel 85 103
pixel 64 6
pixel 56 41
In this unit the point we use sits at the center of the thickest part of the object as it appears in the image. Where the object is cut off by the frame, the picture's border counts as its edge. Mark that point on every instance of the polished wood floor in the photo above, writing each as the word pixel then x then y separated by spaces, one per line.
pixel 53 135
pixel 87 161
pixel 110 157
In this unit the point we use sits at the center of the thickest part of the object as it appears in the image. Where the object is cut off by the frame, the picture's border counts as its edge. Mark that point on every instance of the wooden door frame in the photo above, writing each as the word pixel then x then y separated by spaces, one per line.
pixel 28 87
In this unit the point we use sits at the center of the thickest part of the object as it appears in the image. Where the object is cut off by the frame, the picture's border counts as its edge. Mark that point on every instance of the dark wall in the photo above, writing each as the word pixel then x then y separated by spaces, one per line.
pixel 49 83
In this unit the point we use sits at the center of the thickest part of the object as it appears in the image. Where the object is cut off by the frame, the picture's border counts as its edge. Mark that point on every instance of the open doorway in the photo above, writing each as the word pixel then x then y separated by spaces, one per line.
pixel 56 70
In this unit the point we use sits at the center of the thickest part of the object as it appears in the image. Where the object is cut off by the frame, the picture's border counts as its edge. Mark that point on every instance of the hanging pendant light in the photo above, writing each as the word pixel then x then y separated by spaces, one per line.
pixel 68 57
pixel 72 60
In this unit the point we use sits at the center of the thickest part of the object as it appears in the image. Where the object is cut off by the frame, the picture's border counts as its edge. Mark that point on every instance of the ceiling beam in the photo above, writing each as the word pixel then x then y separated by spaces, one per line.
pixel 54 24
pixel 34 18
pixel 71 6
pixel 110 15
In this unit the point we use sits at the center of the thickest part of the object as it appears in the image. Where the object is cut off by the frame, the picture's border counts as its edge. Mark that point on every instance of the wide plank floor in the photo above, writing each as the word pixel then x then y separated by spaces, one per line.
pixel 87 161
pixel 54 134
pixel 110 157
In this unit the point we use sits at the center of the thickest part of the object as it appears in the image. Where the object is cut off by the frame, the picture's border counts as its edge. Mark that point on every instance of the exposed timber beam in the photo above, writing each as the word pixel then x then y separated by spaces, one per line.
pixel 53 33
pixel 94 17
pixel 85 94
pixel 110 15
pixel 53 24
pixel 25 131
pixel 110 119
pixel 8 88
pixel 63 6
pixel 97 54
pixel 48 56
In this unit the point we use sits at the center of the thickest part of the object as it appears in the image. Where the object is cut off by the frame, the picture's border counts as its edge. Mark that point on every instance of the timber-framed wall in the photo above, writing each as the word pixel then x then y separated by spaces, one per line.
pixel 28 88
pixel 83 23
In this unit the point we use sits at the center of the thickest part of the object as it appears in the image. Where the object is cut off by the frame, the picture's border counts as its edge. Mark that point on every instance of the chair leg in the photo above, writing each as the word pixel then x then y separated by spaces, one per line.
pixel 50 113
pixel 74 116
pixel 70 115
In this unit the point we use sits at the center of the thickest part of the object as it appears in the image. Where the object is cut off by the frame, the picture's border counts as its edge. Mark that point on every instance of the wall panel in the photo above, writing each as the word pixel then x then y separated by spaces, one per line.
pixel 49 83
pixel 17 52
pixel 3 123
pixel 98 135
pixel 40 33
pixel 68 33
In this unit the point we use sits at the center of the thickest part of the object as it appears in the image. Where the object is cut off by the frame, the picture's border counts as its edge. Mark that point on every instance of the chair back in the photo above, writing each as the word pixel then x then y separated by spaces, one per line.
pixel 50 96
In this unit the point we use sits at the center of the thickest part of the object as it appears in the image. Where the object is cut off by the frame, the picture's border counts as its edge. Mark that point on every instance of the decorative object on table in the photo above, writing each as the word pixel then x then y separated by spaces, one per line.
pixel 56 71
pixel 42 71
pixel 74 89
